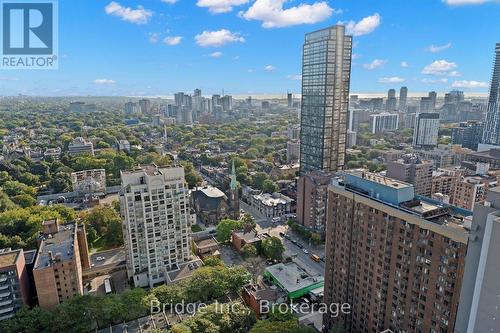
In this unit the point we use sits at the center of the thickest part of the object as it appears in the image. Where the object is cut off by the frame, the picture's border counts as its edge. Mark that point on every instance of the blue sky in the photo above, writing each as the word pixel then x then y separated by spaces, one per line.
pixel 158 47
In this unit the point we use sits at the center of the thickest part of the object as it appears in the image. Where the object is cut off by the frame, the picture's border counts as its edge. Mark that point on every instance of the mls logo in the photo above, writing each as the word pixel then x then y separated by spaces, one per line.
pixel 28 34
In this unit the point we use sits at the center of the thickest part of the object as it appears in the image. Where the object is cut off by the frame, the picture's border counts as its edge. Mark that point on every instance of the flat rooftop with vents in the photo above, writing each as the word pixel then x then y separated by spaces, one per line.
pixel 293 279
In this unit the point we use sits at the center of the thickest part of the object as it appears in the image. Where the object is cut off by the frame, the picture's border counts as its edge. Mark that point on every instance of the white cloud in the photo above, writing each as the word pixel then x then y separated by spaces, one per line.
pixel 250 70
pixel 172 40
pixel 153 37
pixel 269 68
pixel 220 6
pixel 469 84
pixel 404 64
pixel 363 27
pixel 467 2
pixel 295 77
pixel 454 74
pixel 8 78
pixel 170 2
pixel 438 48
pixel 104 82
pixel 273 15
pixel 137 16
pixel 434 81
pixel 439 67
pixel 356 56
pixel 216 54
pixel 377 63
pixel 392 79
pixel 218 38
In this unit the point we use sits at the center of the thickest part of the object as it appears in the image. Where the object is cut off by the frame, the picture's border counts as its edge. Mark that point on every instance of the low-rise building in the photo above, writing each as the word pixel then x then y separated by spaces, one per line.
pixel 210 204
pixel 294 280
pixel 258 297
pixel 240 238
pixel 206 246
pixel 272 205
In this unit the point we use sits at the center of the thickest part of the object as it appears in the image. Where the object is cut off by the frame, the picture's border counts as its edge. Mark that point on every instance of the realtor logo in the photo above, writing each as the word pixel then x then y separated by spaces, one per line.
pixel 28 34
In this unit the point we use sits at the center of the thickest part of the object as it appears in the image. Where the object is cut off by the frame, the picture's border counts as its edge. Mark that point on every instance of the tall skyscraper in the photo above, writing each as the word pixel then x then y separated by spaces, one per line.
pixel 326 71
pixel 492 125
pixel 403 99
pixel 478 306
pixel 425 133
pixel 154 204
pixel 289 98
pixel 433 98
pixel 145 106
pixel 392 101
pixel 397 259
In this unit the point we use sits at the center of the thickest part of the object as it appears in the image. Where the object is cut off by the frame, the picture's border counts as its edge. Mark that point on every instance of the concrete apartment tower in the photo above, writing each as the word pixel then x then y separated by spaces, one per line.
pixel 491 133
pixel 326 72
pixel 154 204
pixel 396 259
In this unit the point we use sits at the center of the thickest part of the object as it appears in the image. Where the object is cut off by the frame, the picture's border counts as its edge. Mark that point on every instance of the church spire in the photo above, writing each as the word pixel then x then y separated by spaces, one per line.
pixel 233 183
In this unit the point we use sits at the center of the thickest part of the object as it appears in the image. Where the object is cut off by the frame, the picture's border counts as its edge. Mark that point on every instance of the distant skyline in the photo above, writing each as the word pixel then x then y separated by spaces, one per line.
pixel 253 47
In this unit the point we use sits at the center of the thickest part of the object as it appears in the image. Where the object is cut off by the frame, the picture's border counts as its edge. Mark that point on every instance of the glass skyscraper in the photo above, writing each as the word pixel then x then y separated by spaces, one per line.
pixel 491 132
pixel 326 71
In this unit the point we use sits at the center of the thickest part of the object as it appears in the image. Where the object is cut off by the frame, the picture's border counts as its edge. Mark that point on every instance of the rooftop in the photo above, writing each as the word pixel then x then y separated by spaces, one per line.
pixel 8 257
pixel 210 191
pixel 57 246
pixel 273 199
pixel 293 277
pixel 248 236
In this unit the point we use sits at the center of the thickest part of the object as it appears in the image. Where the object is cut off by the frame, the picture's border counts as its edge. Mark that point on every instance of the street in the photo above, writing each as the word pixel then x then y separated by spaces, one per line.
pixel 110 256
pixel 274 229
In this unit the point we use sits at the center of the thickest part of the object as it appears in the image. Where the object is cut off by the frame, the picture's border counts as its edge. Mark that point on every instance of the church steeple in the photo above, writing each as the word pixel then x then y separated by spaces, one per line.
pixel 233 183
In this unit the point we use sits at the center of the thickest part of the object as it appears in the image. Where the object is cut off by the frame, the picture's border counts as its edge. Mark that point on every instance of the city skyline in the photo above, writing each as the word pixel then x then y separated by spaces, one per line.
pixel 241 47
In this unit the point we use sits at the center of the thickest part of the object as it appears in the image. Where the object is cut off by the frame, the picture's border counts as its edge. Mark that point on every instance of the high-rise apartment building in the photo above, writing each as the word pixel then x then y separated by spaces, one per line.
pixel 468 134
pixel 154 204
pixel 411 169
pixel 384 121
pixel 392 102
pixel 479 297
pixel 426 130
pixel 403 99
pixel 492 124
pixel 311 200
pixel 289 98
pixel 397 260
pixel 470 191
pixel 14 282
pixel 62 255
pixel 145 106
pixel 80 146
pixel 326 69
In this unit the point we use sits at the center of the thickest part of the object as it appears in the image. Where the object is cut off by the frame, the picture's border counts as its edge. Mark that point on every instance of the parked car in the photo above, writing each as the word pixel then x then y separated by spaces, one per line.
pixel 305 251
pixel 300 246
pixel 287 237
pixel 282 234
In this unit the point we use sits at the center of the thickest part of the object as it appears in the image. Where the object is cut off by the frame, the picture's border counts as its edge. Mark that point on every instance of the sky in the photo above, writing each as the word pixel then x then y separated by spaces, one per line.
pixel 159 47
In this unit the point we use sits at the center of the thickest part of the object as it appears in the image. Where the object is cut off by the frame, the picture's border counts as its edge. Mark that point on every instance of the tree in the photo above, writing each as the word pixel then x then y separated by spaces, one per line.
pixel 225 228
pixel 213 261
pixel 249 251
pixel 270 326
pixel 272 248
pixel 5 202
pixel 107 223
pixel 248 221
pixel 268 186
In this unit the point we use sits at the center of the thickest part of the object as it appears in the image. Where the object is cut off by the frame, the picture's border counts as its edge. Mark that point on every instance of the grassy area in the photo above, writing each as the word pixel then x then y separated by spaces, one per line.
pixel 99 245
pixel 195 228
